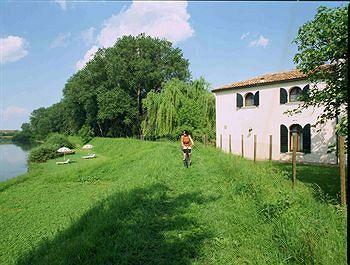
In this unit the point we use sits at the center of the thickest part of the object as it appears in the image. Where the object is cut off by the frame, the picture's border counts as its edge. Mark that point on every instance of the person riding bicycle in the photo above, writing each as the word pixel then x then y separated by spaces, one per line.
pixel 186 143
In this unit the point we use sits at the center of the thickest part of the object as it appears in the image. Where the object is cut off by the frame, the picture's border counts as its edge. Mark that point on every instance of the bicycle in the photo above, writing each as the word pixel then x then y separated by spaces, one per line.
pixel 187 161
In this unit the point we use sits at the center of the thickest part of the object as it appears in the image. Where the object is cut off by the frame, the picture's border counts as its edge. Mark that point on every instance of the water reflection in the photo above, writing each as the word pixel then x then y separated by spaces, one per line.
pixel 13 160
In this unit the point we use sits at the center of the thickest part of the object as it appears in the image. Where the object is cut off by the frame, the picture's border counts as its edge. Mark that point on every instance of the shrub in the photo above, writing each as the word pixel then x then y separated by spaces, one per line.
pixel 48 150
pixel 86 134
pixel 43 153
pixel 58 140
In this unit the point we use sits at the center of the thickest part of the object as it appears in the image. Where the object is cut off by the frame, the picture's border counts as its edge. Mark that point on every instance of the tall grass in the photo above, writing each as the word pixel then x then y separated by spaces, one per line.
pixel 136 204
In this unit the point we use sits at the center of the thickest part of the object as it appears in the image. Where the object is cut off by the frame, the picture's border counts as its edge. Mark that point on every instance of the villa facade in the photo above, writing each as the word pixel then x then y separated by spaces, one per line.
pixel 256 108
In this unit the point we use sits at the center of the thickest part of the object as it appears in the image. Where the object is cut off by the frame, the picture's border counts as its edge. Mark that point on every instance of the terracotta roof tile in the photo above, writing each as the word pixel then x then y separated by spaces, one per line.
pixel 265 79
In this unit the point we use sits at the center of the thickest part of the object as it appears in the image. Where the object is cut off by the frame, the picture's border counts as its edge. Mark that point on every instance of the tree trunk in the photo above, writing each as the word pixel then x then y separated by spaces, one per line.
pixel 139 101
pixel 139 106
pixel 341 154
pixel 99 126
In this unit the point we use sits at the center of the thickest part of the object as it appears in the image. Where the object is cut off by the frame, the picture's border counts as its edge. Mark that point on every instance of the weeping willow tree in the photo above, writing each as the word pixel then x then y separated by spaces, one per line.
pixel 180 106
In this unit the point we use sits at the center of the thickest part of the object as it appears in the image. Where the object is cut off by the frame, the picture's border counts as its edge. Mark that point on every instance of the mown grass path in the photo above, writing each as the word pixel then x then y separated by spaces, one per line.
pixel 136 204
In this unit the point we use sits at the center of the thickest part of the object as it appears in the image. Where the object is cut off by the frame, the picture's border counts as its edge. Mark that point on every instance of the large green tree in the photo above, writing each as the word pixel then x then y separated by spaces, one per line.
pixel 106 95
pixel 141 64
pixel 323 56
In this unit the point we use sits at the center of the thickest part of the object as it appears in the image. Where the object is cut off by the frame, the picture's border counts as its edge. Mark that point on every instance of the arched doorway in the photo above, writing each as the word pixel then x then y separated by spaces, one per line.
pixel 298 130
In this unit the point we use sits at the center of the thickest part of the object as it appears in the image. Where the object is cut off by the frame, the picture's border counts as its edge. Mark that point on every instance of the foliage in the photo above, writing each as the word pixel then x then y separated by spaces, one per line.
pixel 117 113
pixel 323 56
pixel 43 153
pixel 107 93
pixel 137 204
pixel 58 140
pixel 44 121
pixel 180 106
pixel 48 150
pixel 86 134
pixel 24 136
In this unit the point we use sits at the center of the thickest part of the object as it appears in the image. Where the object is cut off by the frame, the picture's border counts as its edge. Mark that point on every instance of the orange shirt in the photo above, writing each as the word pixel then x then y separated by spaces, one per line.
pixel 186 140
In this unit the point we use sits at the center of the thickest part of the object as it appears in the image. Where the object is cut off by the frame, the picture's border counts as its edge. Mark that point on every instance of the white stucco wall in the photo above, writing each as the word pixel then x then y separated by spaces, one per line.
pixel 265 120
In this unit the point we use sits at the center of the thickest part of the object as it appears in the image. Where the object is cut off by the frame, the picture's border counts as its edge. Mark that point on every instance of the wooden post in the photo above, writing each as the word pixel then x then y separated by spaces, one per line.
pixel 229 143
pixel 220 141
pixel 254 147
pixel 270 149
pixel 294 160
pixel 341 155
pixel 242 143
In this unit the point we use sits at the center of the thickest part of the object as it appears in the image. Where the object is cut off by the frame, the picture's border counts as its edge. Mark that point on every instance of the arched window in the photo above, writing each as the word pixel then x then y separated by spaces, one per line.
pixel 298 131
pixel 295 94
pixel 249 100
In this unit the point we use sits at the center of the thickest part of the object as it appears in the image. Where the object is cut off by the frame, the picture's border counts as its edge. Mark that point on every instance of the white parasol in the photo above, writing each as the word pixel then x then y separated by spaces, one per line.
pixel 87 146
pixel 64 150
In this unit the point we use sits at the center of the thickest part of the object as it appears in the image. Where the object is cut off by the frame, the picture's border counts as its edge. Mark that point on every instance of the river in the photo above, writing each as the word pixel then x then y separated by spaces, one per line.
pixel 13 160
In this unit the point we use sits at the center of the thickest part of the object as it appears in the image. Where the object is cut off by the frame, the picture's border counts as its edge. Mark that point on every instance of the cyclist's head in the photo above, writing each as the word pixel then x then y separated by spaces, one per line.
pixel 184 132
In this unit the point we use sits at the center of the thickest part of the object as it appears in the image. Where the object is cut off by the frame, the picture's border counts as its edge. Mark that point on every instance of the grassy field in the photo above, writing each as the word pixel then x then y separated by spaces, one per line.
pixel 136 204
pixel 324 180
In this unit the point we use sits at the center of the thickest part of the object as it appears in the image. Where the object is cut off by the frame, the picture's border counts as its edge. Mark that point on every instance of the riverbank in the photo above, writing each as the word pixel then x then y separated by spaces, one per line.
pixel 136 203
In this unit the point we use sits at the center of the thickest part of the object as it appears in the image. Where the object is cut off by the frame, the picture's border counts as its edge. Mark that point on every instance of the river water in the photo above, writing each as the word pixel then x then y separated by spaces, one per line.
pixel 13 160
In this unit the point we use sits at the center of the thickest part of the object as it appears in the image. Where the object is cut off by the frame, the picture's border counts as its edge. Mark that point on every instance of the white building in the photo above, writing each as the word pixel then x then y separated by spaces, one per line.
pixel 256 108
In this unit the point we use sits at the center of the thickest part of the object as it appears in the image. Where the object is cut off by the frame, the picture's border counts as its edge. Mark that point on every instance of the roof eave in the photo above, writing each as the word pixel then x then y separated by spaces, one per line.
pixel 257 84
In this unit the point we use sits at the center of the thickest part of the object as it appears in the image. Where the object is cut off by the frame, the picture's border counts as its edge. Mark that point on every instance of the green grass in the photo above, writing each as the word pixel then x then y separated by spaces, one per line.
pixel 324 180
pixel 136 204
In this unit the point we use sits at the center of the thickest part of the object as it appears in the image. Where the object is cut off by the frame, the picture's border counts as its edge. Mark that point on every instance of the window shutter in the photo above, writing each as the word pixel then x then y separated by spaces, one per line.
pixel 306 91
pixel 306 139
pixel 283 96
pixel 284 139
pixel 256 99
pixel 239 100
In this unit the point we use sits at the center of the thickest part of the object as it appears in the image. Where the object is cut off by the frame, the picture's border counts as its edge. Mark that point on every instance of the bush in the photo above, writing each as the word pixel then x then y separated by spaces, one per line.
pixel 43 153
pixel 48 150
pixel 86 134
pixel 58 140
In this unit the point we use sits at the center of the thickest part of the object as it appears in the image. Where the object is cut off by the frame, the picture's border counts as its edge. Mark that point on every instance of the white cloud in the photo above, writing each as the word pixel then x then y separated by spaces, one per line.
pixel 88 36
pixel 261 42
pixel 157 19
pixel 12 48
pixel 169 20
pixel 60 41
pixel 87 57
pixel 62 3
pixel 13 112
pixel 245 35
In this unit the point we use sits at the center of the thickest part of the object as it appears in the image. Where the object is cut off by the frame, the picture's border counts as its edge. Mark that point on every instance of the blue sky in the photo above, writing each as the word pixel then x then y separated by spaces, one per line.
pixel 44 43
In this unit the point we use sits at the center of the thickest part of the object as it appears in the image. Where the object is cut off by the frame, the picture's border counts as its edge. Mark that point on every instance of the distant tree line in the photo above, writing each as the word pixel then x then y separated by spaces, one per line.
pixel 7 133
pixel 113 95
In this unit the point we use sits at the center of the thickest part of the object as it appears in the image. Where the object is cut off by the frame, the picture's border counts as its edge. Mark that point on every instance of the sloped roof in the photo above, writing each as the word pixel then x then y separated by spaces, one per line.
pixel 265 79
